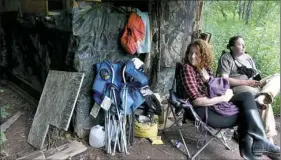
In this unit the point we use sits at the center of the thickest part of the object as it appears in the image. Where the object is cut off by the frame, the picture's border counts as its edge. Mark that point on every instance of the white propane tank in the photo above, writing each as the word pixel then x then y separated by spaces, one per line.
pixel 97 136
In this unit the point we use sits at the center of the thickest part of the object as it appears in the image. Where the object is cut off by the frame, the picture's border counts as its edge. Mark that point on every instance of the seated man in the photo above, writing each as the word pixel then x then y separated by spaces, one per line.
pixel 241 71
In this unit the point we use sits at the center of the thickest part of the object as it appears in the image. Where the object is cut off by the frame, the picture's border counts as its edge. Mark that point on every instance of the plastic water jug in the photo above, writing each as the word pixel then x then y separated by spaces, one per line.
pixel 97 136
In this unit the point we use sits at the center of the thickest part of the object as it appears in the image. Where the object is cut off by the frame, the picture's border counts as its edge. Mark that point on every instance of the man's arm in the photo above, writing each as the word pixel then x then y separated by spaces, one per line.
pixel 237 82
pixel 224 66
pixel 224 69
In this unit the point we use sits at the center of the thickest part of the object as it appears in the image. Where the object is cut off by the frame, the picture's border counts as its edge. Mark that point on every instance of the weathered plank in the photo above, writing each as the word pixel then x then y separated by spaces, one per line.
pixel 65 151
pixel 56 105
pixel 10 121
pixel 62 152
pixel 36 155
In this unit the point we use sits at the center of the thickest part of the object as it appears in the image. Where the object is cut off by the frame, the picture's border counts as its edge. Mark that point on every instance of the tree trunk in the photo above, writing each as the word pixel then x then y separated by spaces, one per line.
pixel 236 9
pixel 244 10
pixel 240 6
pixel 177 19
pixel 249 11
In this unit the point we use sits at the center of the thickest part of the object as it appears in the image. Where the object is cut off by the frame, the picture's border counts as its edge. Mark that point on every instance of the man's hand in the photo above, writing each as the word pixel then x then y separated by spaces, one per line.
pixel 257 84
pixel 228 95
pixel 252 83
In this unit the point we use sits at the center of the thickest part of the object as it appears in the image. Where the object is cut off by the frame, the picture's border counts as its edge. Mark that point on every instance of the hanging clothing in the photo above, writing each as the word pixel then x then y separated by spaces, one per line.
pixel 145 45
pixel 133 34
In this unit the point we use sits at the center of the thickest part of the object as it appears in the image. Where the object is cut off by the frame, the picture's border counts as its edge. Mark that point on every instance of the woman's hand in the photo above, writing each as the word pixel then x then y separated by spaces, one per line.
pixel 228 95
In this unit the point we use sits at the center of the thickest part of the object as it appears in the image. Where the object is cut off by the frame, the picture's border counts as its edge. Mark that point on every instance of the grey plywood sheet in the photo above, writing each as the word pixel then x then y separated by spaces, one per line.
pixel 56 104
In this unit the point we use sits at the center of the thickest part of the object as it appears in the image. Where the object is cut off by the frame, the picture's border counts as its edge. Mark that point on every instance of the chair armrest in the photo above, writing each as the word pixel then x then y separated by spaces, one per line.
pixel 173 99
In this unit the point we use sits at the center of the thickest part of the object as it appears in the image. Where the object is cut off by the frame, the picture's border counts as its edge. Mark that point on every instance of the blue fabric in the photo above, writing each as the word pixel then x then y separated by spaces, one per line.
pixel 140 78
pixel 137 97
pixel 102 86
pixel 134 99
pixel 145 45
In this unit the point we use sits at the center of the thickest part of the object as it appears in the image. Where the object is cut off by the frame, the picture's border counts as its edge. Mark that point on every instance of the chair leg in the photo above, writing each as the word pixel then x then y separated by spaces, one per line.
pixel 166 117
pixel 214 137
pixel 179 128
pixel 223 141
pixel 183 140
pixel 201 149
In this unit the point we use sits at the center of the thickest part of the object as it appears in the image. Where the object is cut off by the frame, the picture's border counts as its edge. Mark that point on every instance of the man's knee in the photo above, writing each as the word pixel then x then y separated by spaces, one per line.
pixel 272 81
pixel 247 95
pixel 275 77
pixel 241 89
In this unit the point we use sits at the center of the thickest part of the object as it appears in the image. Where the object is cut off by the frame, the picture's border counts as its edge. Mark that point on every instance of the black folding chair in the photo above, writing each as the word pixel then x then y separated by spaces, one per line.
pixel 176 105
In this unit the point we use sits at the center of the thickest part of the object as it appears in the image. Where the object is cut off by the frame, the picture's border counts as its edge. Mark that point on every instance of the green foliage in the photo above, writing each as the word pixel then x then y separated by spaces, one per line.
pixel 2 138
pixel 4 113
pixel 261 34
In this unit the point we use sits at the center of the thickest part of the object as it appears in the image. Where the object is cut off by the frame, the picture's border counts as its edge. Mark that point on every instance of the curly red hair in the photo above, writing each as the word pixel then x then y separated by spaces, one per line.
pixel 204 57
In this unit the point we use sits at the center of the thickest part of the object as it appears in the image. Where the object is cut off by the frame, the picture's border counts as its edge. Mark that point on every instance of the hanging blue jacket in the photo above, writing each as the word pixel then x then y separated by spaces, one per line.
pixel 108 74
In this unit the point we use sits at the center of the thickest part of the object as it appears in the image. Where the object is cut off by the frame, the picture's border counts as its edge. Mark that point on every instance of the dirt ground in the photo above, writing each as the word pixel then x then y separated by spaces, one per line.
pixel 16 145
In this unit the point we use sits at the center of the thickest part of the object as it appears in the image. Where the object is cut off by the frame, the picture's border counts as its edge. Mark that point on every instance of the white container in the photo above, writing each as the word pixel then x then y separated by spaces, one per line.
pixel 97 137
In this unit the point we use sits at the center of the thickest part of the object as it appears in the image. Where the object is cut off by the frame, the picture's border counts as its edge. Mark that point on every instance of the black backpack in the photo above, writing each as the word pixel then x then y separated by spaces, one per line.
pixel 152 105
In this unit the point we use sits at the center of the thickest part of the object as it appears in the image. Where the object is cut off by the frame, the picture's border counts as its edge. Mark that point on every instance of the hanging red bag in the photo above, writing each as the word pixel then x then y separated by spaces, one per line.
pixel 134 32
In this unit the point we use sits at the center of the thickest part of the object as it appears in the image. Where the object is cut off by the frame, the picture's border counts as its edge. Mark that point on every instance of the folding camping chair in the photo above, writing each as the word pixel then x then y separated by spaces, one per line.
pixel 176 104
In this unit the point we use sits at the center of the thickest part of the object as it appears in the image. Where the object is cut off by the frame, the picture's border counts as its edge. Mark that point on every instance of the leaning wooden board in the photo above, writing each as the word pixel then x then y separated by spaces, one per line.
pixel 56 105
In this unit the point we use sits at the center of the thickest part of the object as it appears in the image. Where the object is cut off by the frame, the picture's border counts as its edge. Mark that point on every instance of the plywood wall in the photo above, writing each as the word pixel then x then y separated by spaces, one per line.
pixel 30 6
pixel 9 5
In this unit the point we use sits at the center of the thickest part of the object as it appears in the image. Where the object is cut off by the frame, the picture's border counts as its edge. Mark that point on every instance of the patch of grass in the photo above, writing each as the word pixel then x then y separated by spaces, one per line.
pixel 276 106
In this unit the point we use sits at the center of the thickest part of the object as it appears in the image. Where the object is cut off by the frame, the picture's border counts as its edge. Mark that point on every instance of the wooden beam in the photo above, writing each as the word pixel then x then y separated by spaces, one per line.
pixel 35 6
pixel 10 121
pixel 67 4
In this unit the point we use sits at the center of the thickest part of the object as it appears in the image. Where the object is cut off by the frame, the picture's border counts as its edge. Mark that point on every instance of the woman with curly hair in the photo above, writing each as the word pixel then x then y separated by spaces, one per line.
pixel 196 75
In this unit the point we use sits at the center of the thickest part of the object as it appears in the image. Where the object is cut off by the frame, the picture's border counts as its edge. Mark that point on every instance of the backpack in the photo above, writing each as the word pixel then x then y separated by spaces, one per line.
pixel 133 33
pixel 152 106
